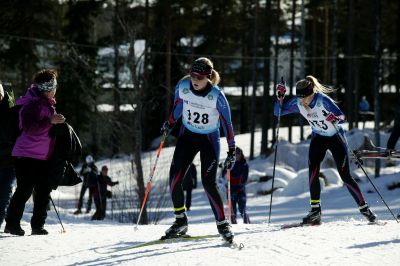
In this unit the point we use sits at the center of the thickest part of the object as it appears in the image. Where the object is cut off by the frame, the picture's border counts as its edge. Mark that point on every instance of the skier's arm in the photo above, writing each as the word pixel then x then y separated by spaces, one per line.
pixel 176 111
pixel 331 107
pixel 288 107
pixel 225 118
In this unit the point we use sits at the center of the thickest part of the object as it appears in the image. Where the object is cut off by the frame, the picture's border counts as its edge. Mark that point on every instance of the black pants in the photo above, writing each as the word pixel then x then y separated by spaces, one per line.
pixel 82 194
pixel 31 174
pixel 188 145
pixel 394 136
pixel 318 147
pixel 238 200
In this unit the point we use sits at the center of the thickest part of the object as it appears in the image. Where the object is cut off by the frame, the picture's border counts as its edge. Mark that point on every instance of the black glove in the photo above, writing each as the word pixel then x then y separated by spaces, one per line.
pixel 230 159
pixel 166 128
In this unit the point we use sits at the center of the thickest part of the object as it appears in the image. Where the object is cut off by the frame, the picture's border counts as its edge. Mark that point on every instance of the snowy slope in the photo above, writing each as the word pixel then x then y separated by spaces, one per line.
pixel 344 238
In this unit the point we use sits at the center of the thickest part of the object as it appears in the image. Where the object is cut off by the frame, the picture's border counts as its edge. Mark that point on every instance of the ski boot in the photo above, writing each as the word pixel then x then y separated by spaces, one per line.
pixel 224 229
pixel 14 230
pixel 178 228
pixel 366 211
pixel 78 211
pixel 39 231
pixel 314 216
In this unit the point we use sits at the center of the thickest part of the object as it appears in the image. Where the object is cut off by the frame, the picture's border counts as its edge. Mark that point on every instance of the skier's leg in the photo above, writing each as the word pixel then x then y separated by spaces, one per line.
pixel 209 156
pixel 315 156
pixel 183 155
pixel 340 154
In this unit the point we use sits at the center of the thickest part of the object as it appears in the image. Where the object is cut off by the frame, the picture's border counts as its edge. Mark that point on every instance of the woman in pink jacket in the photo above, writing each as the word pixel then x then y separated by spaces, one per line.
pixel 33 150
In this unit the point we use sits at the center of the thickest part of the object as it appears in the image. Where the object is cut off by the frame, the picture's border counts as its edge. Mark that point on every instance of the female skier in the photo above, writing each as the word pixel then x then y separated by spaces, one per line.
pixel 324 117
pixel 203 107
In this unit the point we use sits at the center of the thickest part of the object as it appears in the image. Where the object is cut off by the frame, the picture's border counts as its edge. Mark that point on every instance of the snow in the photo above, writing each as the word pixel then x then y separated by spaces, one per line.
pixel 344 238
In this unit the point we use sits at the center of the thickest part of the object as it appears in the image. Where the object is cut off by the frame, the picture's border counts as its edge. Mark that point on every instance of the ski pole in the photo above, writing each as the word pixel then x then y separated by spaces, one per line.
pixel 359 163
pixel 164 137
pixel 54 206
pixel 229 193
pixel 276 150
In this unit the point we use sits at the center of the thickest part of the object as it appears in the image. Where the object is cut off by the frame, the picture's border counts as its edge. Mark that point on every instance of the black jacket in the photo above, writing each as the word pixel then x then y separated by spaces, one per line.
pixel 9 128
pixel 67 149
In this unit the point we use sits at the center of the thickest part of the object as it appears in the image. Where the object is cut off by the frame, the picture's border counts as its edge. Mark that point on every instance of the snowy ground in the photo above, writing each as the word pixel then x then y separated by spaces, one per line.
pixel 344 238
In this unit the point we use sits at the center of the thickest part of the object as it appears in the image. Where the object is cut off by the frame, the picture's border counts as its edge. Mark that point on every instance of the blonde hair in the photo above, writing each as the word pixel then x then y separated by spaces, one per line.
pixel 214 78
pixel 318 87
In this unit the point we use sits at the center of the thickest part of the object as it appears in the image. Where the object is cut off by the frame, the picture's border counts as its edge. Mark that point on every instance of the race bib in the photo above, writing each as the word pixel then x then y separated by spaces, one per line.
pixel 199 114
pixel 316 118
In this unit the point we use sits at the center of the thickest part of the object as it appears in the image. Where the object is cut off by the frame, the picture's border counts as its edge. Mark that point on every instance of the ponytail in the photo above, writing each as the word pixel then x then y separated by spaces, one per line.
pixel 318 87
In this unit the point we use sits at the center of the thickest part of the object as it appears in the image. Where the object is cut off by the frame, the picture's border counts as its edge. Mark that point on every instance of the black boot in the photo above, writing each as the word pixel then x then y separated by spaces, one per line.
pixel 179 227
pixel 224 229
pixel 14 230
pixel 39 231
pixel 314 216
pixel 366 211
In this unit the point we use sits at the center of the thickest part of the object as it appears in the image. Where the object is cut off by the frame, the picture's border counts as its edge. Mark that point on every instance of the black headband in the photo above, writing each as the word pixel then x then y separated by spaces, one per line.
pixel 201 68
pixel 304 89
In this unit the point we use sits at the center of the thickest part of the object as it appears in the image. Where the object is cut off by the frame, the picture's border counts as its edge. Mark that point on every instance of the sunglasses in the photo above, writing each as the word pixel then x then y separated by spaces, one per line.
pixel 197 76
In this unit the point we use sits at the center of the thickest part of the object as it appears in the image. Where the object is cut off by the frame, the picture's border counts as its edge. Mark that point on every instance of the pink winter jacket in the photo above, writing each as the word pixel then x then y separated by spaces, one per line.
pixel 34 120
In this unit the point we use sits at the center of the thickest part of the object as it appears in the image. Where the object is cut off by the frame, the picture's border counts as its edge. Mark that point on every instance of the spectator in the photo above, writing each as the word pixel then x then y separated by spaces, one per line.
pixel 33 150
pixel 98 186
pixel 88 171
pixel 239 176
pixel 7 140
pixel 363 108
pixel 189 183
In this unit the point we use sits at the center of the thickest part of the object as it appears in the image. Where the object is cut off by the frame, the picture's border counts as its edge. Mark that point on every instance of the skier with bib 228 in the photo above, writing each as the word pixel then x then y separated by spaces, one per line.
pixel 325 119
pixel 203 107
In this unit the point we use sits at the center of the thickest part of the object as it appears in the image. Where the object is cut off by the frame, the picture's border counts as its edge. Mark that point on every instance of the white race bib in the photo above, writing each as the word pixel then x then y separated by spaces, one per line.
pixel 199 114
pixel 316 119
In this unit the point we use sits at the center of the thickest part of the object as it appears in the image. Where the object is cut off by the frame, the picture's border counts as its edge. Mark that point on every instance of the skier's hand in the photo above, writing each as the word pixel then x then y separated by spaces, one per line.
pixel 230 159
pixel 166 128
pixel 332 118
pixel 280 91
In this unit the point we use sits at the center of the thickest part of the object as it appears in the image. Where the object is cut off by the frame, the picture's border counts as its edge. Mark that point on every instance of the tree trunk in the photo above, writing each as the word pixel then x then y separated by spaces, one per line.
pixel 377 79
pixel 334 30
pixel 349 65
pixel 291 67
pixel 303 61
pixel 253 96
pixel 267 79
pixel 168 61
pixel 278 10
pixel 115 136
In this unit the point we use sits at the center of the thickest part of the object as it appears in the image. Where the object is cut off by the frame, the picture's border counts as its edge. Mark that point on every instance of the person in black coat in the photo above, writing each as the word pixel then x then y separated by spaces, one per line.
pixel 189 183
pixel 7 140
pixel 98 186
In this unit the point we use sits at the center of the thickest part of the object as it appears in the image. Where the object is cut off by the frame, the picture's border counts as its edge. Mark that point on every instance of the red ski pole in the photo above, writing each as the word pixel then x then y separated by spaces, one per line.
pixel 164 137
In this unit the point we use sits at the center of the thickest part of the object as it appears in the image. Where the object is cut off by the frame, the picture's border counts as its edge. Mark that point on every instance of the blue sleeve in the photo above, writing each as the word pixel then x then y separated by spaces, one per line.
pixel 176 108
pixel 225 118
pixel 330 106
pixel 288 107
